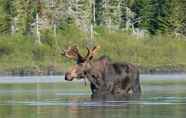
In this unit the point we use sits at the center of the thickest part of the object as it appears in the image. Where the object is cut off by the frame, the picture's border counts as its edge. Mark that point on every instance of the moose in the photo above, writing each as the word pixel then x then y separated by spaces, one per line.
pixel 108 80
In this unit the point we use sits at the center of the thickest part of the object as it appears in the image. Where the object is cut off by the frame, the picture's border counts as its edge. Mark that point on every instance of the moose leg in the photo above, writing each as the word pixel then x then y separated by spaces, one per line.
pixel 93 88
pixel 127 86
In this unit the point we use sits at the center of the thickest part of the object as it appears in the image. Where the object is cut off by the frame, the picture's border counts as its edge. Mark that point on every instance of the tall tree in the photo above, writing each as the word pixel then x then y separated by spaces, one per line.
pixel 5 19
pixel 129 16
pixel 155 15
pixel 177 18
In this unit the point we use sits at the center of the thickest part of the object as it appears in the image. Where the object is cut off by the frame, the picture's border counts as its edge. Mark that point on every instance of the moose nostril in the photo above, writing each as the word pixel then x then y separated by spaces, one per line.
pixel 85 73
pixel 66 76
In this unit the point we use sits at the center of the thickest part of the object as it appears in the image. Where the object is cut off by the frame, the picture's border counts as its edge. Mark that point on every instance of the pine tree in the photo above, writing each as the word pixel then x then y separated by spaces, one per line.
pixel 155 15
pixel 109 13
pixel 177 18
pixel 128 14
pixel 5 19
pixel 99 17
pixel 29 18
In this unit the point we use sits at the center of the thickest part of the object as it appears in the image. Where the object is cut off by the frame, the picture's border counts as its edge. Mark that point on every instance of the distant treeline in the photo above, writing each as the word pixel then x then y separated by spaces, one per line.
pixel 37 16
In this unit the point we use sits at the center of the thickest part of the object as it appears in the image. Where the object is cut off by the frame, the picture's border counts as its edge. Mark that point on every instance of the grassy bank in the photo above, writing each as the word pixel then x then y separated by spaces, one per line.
pixel 22 54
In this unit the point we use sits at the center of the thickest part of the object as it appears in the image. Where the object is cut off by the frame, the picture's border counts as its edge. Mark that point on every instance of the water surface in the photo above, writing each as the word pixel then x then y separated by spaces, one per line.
pixel 164 96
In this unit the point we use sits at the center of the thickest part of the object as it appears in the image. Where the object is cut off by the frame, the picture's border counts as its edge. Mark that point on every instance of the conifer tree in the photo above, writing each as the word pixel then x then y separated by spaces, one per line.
pixel 177 18
pixel 5 19
pixel 155 15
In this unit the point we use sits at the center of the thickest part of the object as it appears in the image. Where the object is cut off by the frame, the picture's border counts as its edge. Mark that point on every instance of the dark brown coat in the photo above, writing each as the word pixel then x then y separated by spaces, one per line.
pixel 108 80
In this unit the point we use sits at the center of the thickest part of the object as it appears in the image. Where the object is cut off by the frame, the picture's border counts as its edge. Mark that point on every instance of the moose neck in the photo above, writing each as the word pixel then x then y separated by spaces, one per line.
pixel 95 74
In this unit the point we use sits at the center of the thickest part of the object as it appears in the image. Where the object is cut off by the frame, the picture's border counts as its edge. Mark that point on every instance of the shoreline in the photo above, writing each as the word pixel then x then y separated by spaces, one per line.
pixel 144 78
pixel 56 71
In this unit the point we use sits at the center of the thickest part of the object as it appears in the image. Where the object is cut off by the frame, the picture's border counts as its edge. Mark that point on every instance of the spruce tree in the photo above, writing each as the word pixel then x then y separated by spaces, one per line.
pixel 5 19
pixel 155 15
pixel 177 18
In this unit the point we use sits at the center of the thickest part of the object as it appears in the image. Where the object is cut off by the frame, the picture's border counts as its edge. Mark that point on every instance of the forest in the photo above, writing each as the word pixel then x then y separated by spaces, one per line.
pixel 148 33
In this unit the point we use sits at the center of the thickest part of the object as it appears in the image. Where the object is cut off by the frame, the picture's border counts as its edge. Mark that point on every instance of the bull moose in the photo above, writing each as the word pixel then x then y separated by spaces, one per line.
pixel 108 80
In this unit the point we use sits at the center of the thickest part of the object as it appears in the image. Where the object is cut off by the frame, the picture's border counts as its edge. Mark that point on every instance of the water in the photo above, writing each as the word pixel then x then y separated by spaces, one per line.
pixel 163 96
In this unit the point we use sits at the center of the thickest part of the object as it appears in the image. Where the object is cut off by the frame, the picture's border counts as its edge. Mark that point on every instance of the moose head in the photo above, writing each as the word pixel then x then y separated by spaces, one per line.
pixel 83 62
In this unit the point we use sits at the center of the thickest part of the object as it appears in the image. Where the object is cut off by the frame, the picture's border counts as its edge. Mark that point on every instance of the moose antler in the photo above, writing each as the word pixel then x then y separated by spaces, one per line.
pixel 91 52
pixel 73 53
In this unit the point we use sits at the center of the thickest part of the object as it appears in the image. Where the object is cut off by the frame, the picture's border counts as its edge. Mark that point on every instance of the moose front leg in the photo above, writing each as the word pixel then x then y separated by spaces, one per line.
pixel 94 84
pixel 93 88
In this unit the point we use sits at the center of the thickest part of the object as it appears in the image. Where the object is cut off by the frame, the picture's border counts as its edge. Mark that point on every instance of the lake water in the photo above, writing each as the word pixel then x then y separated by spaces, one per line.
pixel 164 96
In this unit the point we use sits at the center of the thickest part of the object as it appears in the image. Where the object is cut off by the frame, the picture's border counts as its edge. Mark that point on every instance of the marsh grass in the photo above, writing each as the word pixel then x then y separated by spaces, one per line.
pixel 159 51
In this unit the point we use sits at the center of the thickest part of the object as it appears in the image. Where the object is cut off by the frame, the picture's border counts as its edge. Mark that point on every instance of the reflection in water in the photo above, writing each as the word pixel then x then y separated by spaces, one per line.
pixel 72 100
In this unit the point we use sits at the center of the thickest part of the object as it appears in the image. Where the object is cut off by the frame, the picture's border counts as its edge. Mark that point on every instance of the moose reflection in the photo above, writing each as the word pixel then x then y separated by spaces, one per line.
pixel 108 80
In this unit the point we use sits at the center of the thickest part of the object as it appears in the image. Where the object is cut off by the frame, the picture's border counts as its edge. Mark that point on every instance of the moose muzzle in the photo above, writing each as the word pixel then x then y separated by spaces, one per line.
pixel 68 77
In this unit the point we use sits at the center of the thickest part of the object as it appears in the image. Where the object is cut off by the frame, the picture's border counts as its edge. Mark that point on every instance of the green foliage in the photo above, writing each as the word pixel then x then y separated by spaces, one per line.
pixel 5 48
pixel 99 9
pixel 177 16
pixel 4 17
pixel 70 34
pixel 154 14
pixel 22 52
pixel 72 22
pixel 152 51
pixel 40 52
pixel 48 38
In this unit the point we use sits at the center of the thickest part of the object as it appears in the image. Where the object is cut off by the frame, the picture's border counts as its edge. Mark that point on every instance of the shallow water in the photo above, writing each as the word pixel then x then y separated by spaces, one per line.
pixel 164 96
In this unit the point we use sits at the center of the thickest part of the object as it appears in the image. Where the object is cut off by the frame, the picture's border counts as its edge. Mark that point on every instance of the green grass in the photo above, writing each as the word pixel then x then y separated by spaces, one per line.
pixel 19 52
pixel 150 51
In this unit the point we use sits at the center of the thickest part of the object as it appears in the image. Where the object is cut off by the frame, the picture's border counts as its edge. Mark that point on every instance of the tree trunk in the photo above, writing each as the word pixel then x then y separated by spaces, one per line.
pixel 13 26
pixel 37 29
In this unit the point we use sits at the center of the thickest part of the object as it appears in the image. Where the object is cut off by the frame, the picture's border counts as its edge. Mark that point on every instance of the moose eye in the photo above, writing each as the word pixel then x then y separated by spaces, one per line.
pixel 93 76
pixel 85 73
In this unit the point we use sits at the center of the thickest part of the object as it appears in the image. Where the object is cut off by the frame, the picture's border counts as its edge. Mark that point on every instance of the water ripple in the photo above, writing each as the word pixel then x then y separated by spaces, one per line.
pixel 145 102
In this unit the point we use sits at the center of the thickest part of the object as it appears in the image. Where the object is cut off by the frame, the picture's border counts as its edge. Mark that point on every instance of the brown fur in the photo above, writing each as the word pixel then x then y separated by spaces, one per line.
pixel 108 80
